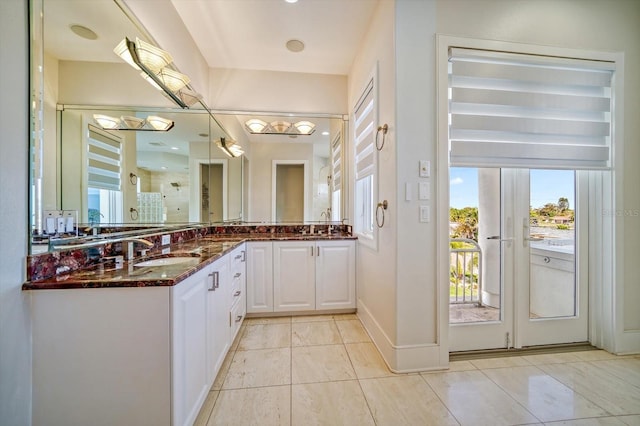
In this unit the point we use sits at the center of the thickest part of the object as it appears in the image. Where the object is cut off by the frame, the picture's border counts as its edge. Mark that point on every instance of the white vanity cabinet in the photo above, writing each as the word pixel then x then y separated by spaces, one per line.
pixel 259 277
pixel 190 367
pixel 134 356
pixel 335 274
pixel 294 284
pixel 290 276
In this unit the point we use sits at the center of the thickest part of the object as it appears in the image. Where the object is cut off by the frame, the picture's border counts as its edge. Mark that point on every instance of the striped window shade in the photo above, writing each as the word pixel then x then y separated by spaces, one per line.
pixel 336 164
pixel 364 135
pixel 104 160
pixel 518 110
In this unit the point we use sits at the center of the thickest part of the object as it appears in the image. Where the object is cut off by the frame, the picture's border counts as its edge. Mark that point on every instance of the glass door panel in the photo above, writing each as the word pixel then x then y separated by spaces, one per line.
pixel 552 243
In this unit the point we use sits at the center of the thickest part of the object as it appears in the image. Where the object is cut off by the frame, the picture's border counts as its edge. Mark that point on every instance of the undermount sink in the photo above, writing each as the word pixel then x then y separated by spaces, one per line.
pixel 165 261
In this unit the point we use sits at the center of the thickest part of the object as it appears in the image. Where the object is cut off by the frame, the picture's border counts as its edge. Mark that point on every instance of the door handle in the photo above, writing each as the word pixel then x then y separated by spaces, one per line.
pixel 497 238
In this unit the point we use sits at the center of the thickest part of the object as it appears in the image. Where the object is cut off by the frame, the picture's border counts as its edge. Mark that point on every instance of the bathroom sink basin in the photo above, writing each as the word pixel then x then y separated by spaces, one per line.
pixel 165 261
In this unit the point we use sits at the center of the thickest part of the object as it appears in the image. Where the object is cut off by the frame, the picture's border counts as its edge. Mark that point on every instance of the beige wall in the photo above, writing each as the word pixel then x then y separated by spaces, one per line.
pixel 260 174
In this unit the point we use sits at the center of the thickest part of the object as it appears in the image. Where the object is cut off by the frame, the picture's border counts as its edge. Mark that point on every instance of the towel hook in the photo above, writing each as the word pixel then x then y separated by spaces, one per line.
pixel 384 129
pixel 381 207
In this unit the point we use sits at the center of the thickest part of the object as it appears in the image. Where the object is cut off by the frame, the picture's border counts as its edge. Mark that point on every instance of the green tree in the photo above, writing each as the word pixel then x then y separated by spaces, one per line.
pixel 563 204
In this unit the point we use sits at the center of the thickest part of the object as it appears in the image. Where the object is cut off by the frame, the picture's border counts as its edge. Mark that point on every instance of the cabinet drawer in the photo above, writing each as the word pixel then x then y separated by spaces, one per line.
pixel 236 315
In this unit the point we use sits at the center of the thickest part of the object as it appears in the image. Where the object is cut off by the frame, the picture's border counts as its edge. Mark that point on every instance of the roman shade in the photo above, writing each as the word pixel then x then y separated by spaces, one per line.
pixel 517 110
pixel 364 135
pixel 103 160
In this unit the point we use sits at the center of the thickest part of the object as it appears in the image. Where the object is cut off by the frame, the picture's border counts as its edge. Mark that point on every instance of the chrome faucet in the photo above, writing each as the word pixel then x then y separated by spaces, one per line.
pixel 128 247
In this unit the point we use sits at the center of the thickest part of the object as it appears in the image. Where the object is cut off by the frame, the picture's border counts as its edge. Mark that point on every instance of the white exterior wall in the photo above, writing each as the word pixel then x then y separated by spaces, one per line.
pixel 15 315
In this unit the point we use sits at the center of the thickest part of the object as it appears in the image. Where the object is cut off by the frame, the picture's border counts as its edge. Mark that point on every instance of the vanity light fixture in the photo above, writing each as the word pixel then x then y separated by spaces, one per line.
pixel 160 124
pixel 304 127
pixel 279 127
pixel 154 64
pixel 151 123
pixel 107 122
pixel 229 147
pixel 255 125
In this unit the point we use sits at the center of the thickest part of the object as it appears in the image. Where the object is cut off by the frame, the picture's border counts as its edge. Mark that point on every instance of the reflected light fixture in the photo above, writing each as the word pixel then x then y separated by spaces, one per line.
pixel 160 124
pixel 107 122
pixel 229 147
pixel 305 127
pixel 280 126
pixel 126 122
pixel 154 64
pixel 255 125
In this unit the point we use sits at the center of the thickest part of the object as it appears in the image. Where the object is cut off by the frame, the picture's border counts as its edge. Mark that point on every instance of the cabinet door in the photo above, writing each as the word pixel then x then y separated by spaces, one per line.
pixel 189 364
pixel 335 274
pixel 294 276
pixel 259 277
pixel 218 302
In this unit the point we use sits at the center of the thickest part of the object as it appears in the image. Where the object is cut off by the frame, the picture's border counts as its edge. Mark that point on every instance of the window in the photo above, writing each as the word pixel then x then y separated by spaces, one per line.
pixel 513 110
pixel 104 159
pixel 365 164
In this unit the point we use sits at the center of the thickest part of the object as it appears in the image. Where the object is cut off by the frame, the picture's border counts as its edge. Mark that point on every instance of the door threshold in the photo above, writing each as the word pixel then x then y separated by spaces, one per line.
pixel 530 350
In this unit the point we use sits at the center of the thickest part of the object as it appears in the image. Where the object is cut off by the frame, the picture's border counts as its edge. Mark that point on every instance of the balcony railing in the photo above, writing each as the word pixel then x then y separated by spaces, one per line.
pixel 465 271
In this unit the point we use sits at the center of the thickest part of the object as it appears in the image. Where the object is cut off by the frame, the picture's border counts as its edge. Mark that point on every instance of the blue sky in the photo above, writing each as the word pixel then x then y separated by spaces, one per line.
pixel 547 186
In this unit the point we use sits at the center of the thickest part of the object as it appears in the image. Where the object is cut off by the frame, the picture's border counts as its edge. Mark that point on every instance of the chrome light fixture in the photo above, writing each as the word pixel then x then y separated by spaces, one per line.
pixel 229 147
pixel 154 62
pixel 126 122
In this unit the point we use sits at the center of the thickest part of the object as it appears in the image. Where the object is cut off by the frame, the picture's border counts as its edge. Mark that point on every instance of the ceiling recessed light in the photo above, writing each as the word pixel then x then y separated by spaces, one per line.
pixel 291 1
pixel 295 45
pixel 175 148
pixel 83 32
pixel 325 133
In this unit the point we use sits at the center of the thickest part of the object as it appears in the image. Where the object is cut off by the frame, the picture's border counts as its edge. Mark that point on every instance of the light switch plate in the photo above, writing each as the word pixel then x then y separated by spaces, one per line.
pixel 424 191
pixel 425 214
pixel 425 168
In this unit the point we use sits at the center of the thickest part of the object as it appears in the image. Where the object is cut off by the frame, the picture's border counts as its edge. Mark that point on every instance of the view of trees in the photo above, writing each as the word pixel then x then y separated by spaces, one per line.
pixel 464 222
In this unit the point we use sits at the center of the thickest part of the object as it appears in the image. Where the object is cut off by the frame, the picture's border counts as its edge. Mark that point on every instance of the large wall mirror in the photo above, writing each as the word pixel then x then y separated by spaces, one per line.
pixel 165 178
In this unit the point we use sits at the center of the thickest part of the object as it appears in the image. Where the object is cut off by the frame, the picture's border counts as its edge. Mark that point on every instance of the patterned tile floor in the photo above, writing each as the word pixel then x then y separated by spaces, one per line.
pixel 324 370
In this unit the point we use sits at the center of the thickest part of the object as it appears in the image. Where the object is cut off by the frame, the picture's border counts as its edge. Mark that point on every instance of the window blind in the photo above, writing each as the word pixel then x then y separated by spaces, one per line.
pixel 336 164
pixel 364 134
pixel 103 160
pixel 515 110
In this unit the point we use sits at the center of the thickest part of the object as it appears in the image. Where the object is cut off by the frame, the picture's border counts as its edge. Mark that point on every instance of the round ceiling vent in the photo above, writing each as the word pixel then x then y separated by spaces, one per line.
pixel 83 32
pixel 295 45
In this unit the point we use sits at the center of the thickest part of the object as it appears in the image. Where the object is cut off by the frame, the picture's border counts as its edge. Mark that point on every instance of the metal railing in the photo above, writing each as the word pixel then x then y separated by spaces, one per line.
pixel 465 271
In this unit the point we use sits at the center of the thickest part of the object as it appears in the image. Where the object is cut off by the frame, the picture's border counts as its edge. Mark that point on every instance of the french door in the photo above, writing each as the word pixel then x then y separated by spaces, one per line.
pixel 518 274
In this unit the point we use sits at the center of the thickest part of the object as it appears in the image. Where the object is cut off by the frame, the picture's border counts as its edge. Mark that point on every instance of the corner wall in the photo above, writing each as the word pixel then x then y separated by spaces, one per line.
pixel 15 314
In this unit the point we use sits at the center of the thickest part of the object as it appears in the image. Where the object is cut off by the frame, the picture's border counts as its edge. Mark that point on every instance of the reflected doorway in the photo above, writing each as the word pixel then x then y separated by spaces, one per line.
pixel 289 191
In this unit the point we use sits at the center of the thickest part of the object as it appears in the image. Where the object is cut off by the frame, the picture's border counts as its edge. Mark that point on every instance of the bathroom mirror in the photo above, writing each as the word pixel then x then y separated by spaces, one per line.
pixel 72 74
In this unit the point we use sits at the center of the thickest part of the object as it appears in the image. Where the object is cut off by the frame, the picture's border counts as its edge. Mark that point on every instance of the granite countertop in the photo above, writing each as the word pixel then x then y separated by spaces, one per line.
pixel 204 251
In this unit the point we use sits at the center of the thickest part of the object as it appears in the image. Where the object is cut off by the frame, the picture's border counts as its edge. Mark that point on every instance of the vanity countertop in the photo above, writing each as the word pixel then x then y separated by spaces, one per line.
pixel 204 251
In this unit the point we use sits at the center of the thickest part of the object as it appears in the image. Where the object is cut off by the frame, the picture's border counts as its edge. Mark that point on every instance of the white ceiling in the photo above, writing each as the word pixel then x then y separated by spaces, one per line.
pixel 251 34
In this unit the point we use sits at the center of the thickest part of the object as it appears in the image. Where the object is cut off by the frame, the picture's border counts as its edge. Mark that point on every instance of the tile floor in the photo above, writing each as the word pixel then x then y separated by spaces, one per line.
pixel 324 370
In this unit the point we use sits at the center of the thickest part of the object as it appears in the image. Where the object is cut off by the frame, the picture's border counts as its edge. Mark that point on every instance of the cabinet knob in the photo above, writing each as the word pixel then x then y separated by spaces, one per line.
pixel 237 293
pixel 238 274
pixel 239 318
pixel 215 281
